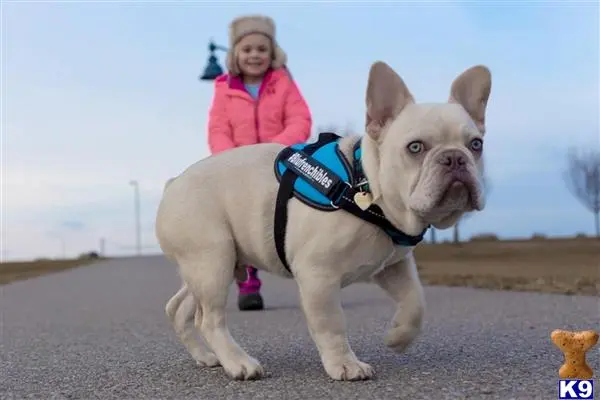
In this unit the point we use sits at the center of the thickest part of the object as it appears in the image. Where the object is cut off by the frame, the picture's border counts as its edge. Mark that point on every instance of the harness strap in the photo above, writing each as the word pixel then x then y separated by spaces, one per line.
pixel 374 215
pixel 286 190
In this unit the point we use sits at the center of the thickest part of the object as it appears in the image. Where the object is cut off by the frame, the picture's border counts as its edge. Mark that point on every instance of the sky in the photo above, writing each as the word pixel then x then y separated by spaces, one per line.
pixel 95 94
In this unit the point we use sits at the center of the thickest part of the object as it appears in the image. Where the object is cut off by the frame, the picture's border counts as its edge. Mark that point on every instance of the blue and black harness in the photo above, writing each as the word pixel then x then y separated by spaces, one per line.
pixel 328 182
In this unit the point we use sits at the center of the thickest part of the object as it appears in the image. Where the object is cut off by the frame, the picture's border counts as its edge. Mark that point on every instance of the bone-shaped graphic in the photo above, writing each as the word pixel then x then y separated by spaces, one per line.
pixel 574 345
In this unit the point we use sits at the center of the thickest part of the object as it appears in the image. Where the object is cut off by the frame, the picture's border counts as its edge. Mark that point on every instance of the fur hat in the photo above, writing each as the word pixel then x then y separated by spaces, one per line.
pixel 245 25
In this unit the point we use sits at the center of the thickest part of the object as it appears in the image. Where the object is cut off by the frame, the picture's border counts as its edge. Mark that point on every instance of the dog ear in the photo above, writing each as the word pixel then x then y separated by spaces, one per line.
pixel 387 95
pixel 471 89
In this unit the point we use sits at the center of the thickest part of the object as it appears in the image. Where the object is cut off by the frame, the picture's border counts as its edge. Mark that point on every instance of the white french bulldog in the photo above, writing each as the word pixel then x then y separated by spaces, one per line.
pixel 424 166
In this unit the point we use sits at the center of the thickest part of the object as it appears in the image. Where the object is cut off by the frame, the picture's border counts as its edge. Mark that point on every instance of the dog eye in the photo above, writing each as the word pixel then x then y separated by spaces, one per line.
pixel 476 144
pixel 415 147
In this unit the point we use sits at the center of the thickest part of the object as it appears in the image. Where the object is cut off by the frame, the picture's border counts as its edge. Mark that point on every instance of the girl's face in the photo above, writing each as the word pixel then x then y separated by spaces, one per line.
pixel 254 55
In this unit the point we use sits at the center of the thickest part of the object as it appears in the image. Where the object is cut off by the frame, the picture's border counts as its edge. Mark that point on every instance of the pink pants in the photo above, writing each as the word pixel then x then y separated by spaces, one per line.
pixel 252 283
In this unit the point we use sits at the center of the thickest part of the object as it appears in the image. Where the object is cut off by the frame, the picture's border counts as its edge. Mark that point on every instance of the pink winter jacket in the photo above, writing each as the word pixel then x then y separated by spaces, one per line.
pixel 280 113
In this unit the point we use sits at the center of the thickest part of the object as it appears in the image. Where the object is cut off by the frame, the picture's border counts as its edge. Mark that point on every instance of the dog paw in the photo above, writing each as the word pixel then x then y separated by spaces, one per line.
pixel 350 370
pixel 245 369
pixel 400 337
pixel 208 359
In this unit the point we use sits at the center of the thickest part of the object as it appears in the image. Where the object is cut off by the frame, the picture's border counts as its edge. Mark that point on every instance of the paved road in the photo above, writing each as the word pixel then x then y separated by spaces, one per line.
pixel 99 332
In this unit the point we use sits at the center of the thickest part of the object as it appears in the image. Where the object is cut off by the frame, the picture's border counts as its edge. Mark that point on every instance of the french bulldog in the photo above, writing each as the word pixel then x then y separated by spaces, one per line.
pixel 424 165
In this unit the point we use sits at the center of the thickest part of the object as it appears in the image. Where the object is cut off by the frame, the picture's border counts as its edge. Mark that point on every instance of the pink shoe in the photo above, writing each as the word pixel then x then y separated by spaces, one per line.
pixel 249 297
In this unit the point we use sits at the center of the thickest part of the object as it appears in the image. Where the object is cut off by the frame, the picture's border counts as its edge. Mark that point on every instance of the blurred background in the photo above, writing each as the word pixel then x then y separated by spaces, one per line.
pixel 102 103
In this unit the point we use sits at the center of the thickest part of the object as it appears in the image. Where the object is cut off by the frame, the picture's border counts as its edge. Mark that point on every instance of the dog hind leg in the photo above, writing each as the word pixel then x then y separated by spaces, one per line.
pixel 181 310
pixel 209 274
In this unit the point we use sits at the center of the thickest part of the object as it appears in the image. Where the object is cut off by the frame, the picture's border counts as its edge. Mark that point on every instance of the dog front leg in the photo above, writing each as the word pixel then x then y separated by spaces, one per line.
pixel 322 307
pixel 401 282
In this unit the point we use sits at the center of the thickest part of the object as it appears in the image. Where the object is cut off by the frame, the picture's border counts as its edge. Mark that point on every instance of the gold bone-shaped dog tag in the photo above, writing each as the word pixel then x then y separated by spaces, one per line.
pixel 363 200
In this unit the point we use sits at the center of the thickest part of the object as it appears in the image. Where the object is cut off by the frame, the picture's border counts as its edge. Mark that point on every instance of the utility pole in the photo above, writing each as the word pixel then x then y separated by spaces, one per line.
pixel 136 198
pixel 432 235
pixel 102 246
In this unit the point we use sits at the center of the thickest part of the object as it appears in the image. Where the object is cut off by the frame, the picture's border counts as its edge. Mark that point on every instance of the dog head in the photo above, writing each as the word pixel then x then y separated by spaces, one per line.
pixel 424 162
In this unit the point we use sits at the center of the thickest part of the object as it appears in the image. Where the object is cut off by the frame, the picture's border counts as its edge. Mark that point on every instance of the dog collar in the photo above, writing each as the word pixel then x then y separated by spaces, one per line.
pixel 360 179
pixel 361 185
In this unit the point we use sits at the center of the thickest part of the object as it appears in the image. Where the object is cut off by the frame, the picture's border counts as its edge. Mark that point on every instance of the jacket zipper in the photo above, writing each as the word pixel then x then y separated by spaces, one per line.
pixel 256 116
pixel 256 124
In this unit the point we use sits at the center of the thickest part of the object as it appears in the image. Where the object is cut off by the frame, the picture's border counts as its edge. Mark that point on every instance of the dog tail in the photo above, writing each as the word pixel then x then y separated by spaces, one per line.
pixel 173 304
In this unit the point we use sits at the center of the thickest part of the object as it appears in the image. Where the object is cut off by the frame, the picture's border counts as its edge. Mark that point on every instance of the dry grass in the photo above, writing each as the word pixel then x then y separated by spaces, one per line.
pixel 568 266
pixel 20 270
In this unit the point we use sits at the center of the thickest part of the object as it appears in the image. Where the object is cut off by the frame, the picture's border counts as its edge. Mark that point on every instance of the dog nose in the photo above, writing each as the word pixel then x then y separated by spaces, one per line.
pixel 452 159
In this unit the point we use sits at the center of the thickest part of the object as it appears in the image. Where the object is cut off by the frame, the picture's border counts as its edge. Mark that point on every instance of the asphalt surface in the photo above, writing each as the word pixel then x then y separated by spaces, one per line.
pixel 99 332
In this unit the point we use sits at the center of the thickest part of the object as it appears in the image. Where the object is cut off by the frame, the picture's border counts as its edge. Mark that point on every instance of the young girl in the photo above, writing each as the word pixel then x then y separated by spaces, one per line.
pixel 256 102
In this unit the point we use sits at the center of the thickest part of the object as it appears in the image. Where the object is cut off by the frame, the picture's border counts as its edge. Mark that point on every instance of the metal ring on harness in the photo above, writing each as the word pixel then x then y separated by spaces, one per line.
pixel 331 201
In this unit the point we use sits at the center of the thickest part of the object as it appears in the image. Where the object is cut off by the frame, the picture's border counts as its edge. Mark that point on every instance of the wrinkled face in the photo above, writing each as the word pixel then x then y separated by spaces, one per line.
pixel 254 54
pixel 424 162
pixel 437 150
